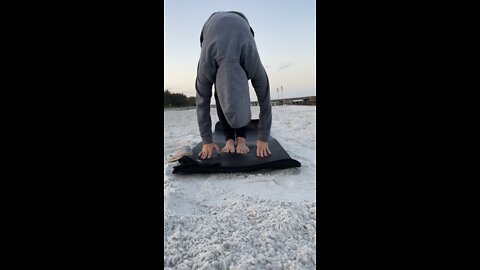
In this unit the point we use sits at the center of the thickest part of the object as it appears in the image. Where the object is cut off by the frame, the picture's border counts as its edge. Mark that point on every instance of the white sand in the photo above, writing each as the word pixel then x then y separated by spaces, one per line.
pixel 257 220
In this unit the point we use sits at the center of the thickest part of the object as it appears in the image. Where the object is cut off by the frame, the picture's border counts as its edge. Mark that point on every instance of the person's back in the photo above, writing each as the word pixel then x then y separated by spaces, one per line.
pixel 228 37
pixel 228 59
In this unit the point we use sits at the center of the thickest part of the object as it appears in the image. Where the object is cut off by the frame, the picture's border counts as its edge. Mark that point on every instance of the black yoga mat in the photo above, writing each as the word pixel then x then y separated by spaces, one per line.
pixel 233 162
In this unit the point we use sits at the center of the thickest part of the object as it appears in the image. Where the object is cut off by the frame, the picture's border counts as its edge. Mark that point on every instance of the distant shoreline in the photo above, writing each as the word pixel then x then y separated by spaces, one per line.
pixel 213 106
pixel 179 108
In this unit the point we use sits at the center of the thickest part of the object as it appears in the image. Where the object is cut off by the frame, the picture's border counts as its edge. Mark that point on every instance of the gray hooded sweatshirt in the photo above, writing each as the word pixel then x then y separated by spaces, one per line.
pixel 228 59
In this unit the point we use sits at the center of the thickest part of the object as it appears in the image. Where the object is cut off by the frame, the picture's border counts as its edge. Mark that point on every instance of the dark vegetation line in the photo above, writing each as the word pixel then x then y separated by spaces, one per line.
pixel 171 100
pixel 175 100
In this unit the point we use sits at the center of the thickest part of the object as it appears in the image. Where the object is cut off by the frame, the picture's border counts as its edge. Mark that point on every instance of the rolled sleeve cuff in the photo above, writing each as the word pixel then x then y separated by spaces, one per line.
pixel 207 139
pixel 263 137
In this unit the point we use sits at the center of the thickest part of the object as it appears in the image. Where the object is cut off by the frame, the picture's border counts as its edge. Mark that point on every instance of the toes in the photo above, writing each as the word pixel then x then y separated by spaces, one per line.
pixel 242 150
pixel 228 150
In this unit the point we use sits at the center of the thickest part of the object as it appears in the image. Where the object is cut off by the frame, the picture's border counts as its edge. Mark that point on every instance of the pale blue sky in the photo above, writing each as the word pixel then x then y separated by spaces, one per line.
pixel 284 34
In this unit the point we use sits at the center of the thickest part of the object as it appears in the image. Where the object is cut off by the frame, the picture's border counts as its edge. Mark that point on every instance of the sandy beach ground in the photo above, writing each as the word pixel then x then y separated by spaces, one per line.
pixel 258 220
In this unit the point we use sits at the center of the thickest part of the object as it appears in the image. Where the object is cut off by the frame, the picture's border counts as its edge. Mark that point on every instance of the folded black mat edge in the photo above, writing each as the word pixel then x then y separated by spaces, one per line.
pixel 188 166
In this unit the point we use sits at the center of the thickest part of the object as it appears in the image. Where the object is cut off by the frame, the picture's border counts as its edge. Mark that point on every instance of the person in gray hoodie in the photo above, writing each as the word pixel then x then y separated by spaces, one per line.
pixel 228 59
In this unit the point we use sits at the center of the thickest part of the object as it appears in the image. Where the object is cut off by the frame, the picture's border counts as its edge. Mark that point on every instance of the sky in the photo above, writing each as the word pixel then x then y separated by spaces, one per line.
pixel 284 35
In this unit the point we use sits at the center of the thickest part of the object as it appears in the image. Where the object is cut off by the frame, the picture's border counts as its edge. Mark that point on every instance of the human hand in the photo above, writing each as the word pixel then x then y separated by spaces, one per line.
pixel 262 149
pixel 207 150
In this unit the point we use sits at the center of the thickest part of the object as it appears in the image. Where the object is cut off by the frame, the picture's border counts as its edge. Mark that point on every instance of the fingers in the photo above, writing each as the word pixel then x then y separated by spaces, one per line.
pixel 205 153
pixel 207 150
pixel 263 151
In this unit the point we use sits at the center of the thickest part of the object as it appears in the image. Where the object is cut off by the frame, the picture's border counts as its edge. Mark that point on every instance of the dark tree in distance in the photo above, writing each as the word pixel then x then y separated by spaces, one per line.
pixel 171 99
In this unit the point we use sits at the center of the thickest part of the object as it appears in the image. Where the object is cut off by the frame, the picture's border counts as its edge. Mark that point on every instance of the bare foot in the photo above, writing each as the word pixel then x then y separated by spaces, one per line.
pixel 229 147
pixel 242 146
